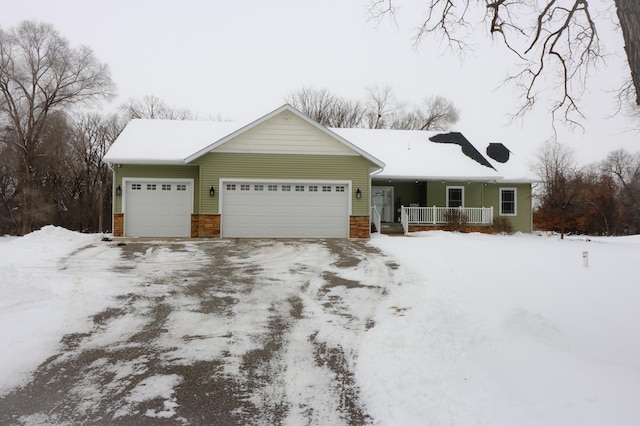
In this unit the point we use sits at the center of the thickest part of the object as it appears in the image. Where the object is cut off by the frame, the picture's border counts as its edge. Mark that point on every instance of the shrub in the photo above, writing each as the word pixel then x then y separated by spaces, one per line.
pixel 456 219
pixel 502 225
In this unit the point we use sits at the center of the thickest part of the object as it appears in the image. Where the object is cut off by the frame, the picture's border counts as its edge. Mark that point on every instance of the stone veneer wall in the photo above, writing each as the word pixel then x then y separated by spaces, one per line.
pixel 205 225
pixel 118 224
pixel 359 227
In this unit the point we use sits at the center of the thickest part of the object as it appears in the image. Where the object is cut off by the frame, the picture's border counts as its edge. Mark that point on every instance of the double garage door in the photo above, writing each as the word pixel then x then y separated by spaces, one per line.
pixel 285 210
pixel 249 209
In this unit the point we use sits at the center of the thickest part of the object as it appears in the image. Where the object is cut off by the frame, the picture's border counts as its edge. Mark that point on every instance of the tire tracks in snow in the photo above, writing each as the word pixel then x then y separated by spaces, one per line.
pixel 217 332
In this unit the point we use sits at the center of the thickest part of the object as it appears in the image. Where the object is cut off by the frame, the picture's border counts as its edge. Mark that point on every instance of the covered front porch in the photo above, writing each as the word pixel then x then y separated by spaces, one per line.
pixel 425 218
pixel 418 205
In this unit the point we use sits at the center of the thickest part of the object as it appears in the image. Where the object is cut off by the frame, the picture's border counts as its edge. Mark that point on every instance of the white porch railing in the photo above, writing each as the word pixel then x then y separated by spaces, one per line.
pixel 375 218
pixel 443 215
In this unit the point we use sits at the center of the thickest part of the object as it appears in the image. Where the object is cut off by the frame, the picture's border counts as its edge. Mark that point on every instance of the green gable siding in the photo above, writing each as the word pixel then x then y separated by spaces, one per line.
pixel 286 132
pixel 214 166
pixel 156 172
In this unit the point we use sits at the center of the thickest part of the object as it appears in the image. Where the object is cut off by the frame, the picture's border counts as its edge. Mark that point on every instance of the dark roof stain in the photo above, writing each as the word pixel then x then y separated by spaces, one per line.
pixel 498 152
pixel 468 149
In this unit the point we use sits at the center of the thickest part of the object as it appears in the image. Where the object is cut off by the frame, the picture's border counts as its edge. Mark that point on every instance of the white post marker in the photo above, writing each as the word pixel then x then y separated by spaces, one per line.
pixel 585 259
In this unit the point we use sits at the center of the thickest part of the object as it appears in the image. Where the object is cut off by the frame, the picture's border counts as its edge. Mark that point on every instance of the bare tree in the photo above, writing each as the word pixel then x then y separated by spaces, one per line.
pixel 327 108
pixel 602 213
pixel 629 16
pixel 561 181
pixel 381 106
pixel 626 169
pixel 40 74
pixel 152 107
pixel 380 111
pixel 558 38
pixel 91 137
pixel 435 113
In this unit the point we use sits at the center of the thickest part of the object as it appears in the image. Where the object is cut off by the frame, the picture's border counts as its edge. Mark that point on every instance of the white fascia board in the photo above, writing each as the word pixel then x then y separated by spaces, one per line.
pixel 446 178
pixel 145 162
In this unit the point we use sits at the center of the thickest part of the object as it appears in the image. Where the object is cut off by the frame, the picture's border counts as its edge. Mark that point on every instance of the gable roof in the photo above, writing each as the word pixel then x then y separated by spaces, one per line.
pixel 409 154
pixel 181 142
pixel 285 108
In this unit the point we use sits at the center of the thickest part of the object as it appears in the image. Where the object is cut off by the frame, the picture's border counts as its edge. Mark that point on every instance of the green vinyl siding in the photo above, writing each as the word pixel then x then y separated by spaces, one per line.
pixel 156 172
pixel 522 221
pixel 214 166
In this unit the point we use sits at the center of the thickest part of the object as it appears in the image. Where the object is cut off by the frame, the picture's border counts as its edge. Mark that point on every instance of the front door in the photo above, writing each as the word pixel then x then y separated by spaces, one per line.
pixel 382 198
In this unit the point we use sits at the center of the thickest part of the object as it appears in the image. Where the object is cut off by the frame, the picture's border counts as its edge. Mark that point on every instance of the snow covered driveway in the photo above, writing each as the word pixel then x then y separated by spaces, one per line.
pixel 215 332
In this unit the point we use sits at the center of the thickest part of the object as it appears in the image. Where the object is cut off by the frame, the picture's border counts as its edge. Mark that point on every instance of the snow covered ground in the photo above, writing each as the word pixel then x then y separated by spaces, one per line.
pixel 473 329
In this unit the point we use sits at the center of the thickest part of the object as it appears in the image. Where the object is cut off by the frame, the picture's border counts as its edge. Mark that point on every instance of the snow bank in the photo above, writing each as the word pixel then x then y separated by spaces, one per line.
pixel 506 330
pixel 39 300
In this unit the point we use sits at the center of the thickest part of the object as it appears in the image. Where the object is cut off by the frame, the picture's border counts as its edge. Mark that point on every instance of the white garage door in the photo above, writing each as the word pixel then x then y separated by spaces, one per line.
pixel 285 210
pixel 158 209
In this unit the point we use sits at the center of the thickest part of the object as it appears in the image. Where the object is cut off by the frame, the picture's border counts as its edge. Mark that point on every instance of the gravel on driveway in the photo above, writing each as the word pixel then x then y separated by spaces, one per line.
pixel 218 332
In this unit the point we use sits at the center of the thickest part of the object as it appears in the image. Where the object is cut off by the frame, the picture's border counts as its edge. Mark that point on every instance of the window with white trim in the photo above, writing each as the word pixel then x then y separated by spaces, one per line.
pixel 272 187
pixel 326 188
pixel 245 187
pixel 231 187
pixel 455 196
pixel 136 186
pixel 508 201
pixel 258 187
pixel 299 188
pixel 313 188
pixel 166 187
pixel 340 188
pixel 151 187
pixel 181 187
pixel 286 188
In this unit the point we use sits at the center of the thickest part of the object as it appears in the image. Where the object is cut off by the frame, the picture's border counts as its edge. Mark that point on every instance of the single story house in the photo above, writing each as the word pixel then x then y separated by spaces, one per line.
pixel 285 175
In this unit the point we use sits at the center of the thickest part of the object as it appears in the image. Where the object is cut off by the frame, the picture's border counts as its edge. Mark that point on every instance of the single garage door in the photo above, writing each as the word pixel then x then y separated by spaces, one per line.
pixel 285 210
pixel 158 209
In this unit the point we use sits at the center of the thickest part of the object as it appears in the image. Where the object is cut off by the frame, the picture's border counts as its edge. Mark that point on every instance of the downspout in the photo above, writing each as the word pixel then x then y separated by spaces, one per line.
pixel 113 196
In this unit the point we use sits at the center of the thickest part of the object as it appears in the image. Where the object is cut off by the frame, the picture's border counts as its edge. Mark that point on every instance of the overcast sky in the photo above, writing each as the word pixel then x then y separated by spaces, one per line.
pixel 241 58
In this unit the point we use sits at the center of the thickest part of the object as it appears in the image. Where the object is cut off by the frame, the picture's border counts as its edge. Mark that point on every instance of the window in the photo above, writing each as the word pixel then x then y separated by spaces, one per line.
pixel 286 187
pixel 326 188
pixel 258 187
pixel 231 187
pixel 136 186
pixel 299 188
pixel 166 187
pixel 313 188
pixel 272 187
pixel 340 188
pixel 151 187
pixel 455 196
pixel 181 187
pixel 244 187
pixel 508 201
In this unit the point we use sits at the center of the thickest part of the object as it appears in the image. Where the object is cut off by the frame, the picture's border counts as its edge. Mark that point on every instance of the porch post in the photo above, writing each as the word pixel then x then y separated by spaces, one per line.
pixel 434 215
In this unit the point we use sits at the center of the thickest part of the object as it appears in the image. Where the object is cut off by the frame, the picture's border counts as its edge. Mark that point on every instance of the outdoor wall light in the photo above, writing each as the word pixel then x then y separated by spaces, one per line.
pixel 358 193
pixel 119 190
pixel 212 191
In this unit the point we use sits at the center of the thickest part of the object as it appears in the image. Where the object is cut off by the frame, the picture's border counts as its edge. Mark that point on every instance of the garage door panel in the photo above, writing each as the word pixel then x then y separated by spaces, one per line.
pixel 160 212
pixel 294 213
